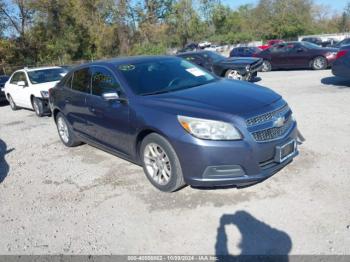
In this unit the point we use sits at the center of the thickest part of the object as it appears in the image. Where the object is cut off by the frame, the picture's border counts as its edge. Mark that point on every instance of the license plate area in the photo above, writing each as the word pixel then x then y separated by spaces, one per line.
pixel 285 151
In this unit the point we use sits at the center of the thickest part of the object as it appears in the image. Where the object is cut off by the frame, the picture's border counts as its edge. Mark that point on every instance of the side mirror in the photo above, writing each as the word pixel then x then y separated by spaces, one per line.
pixel 110 96
pixel 21 83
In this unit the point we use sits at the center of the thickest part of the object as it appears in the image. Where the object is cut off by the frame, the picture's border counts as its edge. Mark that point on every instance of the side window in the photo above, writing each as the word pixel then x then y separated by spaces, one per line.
pixel 68 82
pixel 103 81
pixel 15 78
pixel 22 77
pixel 19 76
pixel 280 49
pixel 81 80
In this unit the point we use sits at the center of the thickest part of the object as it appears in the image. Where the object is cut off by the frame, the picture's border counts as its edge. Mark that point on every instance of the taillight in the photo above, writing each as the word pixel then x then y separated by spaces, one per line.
pixel 341 53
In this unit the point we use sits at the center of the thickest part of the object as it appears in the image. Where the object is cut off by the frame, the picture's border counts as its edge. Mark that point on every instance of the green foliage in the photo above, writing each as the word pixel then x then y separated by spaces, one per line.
pixel 62 31
pixel 148 49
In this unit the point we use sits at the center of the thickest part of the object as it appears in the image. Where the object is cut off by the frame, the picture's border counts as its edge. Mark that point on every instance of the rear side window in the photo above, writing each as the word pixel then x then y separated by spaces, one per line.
pixel 82 80
pixel 103 81
pixel 67 83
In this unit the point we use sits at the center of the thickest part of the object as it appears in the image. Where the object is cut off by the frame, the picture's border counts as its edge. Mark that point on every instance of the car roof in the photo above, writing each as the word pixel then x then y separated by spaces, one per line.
pixel 194 52
pixel 31 69
pixel 125 60
pixel 345 47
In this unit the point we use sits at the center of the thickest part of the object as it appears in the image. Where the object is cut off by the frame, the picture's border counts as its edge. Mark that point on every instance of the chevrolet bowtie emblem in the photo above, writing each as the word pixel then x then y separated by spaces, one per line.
pixel 279 122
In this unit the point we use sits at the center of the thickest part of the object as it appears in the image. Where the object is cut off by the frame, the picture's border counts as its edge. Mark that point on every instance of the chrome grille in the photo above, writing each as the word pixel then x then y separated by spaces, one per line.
pixel 273 133
pixel 267 116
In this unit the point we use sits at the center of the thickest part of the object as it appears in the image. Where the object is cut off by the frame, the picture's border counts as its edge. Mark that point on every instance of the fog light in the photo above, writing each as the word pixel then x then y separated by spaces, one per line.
pixel 223 171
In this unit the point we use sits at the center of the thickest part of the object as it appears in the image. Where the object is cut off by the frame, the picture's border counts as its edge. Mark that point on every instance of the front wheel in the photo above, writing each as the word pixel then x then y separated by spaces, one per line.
pixel 161 164
pixel 234 74
pixel 38 106
pixel 266 67
pixel 65 132
pixel 319 63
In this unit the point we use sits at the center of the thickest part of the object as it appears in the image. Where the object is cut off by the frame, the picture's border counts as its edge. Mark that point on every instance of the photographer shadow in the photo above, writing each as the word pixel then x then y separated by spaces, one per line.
pixel 4 167
pixel 259 240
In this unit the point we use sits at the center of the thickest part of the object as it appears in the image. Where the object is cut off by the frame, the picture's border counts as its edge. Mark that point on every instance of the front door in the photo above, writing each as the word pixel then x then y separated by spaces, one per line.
pixel 108 119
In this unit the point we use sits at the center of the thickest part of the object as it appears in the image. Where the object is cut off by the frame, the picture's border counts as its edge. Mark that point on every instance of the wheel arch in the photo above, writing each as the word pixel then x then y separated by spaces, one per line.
pixel 141 135
pixel 55 113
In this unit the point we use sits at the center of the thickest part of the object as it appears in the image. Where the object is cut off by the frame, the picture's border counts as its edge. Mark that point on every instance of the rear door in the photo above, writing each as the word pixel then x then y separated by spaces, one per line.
pixel 108 119
pixel 75 100
pixel 17 91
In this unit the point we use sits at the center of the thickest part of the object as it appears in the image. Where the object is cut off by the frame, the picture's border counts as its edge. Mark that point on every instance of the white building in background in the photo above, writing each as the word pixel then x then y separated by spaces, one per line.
pixel 325 37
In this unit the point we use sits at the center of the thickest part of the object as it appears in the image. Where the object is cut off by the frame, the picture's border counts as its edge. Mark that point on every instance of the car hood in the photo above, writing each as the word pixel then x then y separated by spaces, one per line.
pixel 45 86
pixel 238 61
pixel 226 96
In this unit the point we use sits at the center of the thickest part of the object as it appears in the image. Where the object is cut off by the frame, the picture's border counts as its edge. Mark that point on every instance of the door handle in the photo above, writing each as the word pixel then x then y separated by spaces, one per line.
pixel 67 100
pixel 92 109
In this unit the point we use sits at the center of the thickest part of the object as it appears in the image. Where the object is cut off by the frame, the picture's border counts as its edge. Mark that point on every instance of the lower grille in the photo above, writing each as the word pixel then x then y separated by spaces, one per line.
pixel 272 133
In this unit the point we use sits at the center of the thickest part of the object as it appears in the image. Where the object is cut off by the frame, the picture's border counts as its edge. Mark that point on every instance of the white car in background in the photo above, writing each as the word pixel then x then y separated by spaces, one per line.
pixel 214 48
pixel 29 88
pixel 204 44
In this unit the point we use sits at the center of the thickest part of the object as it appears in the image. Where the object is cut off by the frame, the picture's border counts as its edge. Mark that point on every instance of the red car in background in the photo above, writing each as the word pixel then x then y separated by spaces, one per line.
pixel 271 43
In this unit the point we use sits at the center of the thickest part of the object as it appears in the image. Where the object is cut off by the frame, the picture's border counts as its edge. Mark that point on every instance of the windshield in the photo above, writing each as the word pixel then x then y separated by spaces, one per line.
pixel 310 45
pixel 163 76
pixel 46 75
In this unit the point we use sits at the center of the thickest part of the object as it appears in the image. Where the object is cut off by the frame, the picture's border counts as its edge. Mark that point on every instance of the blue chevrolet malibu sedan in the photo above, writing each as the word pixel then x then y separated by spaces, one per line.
pixel 181 123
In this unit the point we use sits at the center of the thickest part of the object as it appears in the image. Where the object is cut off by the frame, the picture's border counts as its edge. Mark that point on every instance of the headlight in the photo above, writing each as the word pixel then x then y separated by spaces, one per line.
pixel 44 94
pixel 293 118
pixel 209 129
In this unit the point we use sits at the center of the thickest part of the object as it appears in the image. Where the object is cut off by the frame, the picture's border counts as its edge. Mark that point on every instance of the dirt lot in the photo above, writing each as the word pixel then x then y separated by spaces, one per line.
pixel 81 200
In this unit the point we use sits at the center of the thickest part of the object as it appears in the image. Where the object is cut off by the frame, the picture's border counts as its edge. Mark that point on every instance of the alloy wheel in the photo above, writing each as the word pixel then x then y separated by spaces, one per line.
pixel 36 107
pixel 319 63
pixel 266 67
pixel 12 104
pixel 63 129
pixel 235 75
pixel 157 163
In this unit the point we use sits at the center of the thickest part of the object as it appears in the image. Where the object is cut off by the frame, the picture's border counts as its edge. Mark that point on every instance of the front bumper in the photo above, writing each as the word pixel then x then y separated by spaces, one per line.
pixel 247 161
pixel 46 105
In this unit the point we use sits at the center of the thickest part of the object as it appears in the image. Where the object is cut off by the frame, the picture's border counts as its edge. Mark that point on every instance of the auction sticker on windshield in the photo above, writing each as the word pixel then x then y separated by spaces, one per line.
pixel 195 71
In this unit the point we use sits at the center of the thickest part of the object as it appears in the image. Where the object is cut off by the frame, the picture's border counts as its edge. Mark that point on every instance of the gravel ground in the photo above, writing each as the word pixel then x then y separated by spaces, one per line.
pixel 58 200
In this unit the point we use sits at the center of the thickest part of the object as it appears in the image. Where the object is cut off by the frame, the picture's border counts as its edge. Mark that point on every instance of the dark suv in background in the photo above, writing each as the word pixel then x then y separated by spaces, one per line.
pixel 3 80
pixel 181 123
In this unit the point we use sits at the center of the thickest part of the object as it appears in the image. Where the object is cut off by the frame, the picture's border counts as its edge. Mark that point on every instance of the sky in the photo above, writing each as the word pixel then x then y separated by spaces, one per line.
pixel 336 5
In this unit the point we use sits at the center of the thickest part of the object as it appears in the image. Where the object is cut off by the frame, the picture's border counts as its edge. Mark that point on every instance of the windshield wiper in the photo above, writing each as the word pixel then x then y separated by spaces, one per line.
pixel 161 91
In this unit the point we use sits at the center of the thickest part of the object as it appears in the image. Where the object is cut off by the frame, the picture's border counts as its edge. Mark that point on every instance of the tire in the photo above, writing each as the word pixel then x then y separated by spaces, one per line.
pixel 38 106
pixel 65 131
pixel 267 67
pixel 161 164
pixel 12 103
pixel 319 63
pixel 234 74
